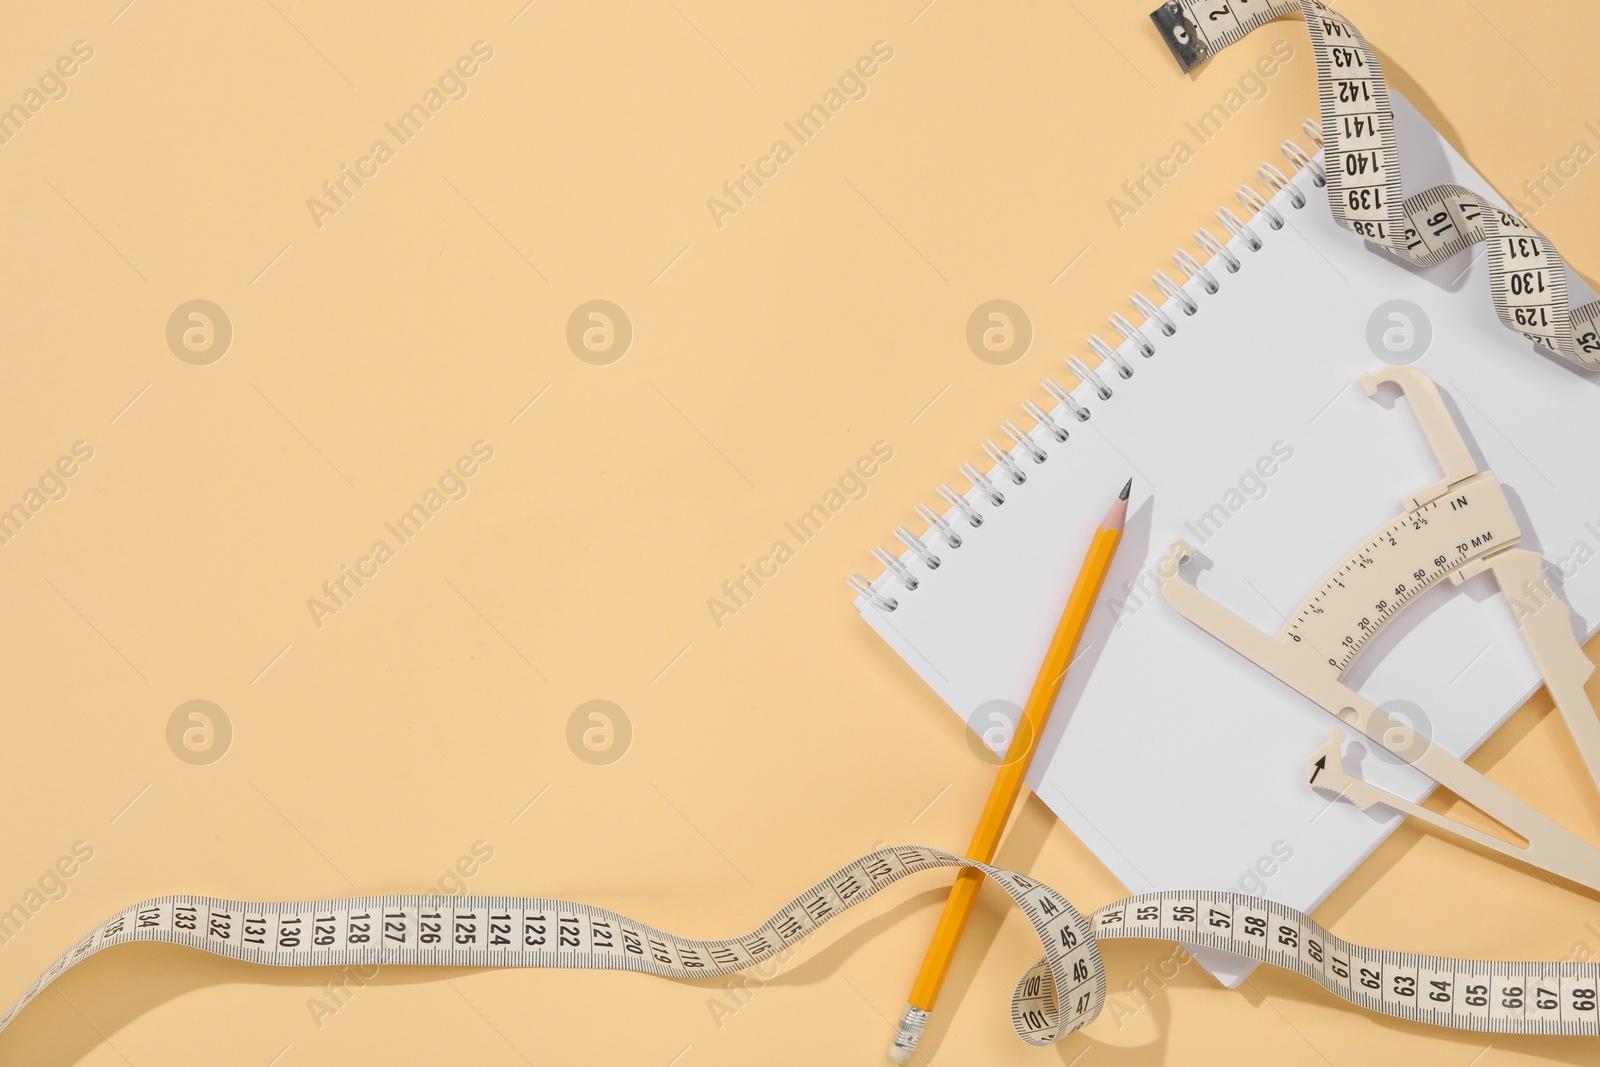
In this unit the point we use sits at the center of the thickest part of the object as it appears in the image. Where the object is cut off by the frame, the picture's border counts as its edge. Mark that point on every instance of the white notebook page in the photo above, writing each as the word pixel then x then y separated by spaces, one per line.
pixel 1179 763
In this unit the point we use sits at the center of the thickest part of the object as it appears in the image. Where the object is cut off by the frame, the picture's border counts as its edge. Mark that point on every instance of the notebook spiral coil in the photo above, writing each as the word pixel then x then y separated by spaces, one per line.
pixel 1054 426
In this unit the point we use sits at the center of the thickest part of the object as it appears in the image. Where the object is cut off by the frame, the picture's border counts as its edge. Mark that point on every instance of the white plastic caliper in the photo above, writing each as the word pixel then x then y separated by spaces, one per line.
pixel 1456 528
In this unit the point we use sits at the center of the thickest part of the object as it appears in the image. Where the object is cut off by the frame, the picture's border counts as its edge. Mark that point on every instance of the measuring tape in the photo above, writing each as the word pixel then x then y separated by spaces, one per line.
pixel 1527 277
pixel 436 931
pixel 1063 991
pixel 1066 988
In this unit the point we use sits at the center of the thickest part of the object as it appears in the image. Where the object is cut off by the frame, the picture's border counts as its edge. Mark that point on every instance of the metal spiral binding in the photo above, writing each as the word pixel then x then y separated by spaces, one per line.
pixel 1101 389
pixel 1107 353
pixel 914 543
pixel 1000 456
pixel 1024 442
pixel 1046 424
pixel 981 483
pixel 1066 399
pixel 1276 181
pixel 1174 292
pixel 1231 223
pixel 859 583
pixel 1258 205
pixel 937 521
pixel 1203 238
pixel 1143 305
pixel 900 570
pixel 1195 271
pixel 960 503
pixel 1297 155
pixel 1132 333
pixel 1043 418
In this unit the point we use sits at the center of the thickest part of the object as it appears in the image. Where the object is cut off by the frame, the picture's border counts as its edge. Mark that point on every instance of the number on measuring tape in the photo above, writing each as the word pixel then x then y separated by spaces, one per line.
pixel 1066 988
pixel 1527 277
pixel 1059 994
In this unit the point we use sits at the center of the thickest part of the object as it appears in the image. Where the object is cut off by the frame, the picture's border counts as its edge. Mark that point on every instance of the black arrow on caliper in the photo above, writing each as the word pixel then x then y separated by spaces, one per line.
pixel 1322 761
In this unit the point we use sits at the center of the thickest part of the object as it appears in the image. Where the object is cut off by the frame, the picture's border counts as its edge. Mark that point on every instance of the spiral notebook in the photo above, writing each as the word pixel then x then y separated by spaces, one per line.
pixel 1179 763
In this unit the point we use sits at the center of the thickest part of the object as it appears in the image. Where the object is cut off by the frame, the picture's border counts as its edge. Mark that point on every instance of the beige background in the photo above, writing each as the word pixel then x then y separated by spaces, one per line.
pixel 372 753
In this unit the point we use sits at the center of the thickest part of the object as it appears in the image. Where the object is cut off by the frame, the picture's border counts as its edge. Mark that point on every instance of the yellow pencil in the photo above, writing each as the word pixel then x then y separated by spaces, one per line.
pixel 1008 783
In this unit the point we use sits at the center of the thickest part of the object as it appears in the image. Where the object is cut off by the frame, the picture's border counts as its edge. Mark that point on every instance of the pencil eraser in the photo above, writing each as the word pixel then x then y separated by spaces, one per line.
pixel 909 1035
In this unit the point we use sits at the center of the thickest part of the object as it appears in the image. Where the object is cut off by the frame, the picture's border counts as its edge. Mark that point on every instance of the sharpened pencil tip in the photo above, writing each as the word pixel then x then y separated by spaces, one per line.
pixel 1118 515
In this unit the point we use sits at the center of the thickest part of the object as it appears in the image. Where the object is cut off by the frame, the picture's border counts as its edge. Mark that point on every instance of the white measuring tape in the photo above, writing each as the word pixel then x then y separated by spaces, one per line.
pixel 1060 993
pixel 1527 278
pixel 1066 988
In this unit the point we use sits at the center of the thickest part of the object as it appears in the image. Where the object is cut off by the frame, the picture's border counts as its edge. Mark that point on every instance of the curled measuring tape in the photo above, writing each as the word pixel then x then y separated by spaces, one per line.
pixel 1527 277
pixel 1063 991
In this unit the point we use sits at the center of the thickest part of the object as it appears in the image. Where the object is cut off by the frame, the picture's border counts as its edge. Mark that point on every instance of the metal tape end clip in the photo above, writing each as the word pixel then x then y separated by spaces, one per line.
pixel 1179 33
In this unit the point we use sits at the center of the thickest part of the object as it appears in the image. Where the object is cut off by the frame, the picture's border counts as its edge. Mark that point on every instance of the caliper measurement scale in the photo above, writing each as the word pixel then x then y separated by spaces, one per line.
pixel 1404 560
pixel 1458 527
